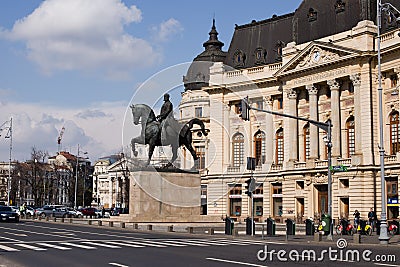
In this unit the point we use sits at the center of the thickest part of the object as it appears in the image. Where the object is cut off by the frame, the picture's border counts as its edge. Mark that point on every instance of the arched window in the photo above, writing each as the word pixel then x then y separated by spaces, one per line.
pixel 238 149
pixel 351 140
pixel 394 133
pixel 279 146
pixel 306 133
pixel 259 147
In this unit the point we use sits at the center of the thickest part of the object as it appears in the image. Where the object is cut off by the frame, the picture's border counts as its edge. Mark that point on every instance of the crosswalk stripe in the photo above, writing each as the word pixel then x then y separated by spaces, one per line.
pixel 30 247
pixel 100 244
pixel 124 244
pixel 166 243
pixel 78 245
pixel 53 246
pixel 146 243
pixel 187 242
pixel 217 242
pixel 8 248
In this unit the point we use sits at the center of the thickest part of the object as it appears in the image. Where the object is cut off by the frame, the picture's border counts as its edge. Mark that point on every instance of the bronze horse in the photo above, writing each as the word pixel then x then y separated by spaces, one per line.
pixel 177 134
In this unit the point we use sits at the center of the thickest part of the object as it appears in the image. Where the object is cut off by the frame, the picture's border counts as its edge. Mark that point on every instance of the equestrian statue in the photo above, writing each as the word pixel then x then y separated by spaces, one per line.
pixel 163 130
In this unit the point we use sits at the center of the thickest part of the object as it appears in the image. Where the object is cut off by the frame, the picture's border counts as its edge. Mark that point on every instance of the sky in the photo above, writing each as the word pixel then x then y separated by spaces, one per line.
pixel 79 64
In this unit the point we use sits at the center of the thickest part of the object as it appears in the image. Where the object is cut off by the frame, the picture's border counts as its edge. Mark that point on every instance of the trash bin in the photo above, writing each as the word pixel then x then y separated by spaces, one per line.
pixel 290 227
pixel 229 223
pixel 248 226
pixel 271 226
pixel 309 227
pixel 326 223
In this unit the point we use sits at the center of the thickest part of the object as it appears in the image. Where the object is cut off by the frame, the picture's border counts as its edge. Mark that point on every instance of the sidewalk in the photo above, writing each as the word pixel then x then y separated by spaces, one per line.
pixel 217 230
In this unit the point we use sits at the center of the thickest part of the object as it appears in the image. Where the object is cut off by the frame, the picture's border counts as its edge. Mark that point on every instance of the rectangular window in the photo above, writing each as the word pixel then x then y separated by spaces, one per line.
pixel 198 112
pixel 201 155
pixel 393 81
pixel 280 102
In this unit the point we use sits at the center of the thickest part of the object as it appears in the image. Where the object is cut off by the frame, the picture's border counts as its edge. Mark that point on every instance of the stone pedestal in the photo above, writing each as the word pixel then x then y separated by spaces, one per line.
pixel 157 196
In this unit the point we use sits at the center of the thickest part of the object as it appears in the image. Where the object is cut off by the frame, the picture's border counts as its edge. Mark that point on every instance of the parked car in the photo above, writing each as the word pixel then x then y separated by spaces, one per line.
pixel 8 214
pixel 16 209
pixel 74 213
pixel 89 212
pixel 47 210
pixel 29 211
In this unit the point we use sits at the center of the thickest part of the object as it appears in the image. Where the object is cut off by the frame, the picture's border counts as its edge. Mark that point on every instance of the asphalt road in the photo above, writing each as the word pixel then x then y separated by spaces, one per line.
pixel 36 243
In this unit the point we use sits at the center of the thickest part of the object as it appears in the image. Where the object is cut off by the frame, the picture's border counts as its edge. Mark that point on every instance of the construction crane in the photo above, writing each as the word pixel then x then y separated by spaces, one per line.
pixel 60 138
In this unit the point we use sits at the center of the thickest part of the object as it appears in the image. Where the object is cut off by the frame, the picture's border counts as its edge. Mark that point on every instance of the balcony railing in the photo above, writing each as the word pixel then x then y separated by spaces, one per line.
pixel 391 159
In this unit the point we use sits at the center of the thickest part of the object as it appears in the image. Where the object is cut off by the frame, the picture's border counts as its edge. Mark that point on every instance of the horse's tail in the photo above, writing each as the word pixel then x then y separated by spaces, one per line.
pixel 198 122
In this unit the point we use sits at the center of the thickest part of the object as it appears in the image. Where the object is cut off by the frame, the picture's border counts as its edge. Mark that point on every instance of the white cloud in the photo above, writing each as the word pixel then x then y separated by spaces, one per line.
pixel 84 35
pixel 98 129
pixel 167 29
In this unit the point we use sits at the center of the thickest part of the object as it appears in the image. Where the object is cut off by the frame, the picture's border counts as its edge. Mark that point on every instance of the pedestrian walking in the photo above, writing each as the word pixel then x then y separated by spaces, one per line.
pixel 372 218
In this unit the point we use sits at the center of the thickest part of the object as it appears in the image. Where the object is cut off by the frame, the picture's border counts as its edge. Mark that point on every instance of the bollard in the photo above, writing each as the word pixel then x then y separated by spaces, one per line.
pixel 62 220
pixel 70 220
pixel 357 238
pixel 111 224
pixel 47 218
pixel 100 223
pixel 40 218
pixel 54 219
pixel 149 227
pixel 318 237
pixel 135 226
pixel 122 224
pixel 90 222
pixel 170 228
pixel 211 231
pixel 190 230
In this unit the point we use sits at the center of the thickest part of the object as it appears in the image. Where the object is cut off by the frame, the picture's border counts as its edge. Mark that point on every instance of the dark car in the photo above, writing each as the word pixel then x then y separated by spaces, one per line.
pixel 7 214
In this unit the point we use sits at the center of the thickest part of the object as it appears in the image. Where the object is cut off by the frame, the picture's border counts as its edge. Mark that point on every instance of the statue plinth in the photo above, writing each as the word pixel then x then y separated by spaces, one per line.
pixel 164 196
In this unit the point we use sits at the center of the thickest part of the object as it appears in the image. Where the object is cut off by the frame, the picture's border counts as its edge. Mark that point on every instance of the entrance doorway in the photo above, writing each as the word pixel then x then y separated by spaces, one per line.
pixel 299 209
pixel 322 199
pixel 344 207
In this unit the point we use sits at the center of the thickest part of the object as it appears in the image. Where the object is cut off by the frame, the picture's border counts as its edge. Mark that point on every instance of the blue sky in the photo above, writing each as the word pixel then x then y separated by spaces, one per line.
pixel 78 63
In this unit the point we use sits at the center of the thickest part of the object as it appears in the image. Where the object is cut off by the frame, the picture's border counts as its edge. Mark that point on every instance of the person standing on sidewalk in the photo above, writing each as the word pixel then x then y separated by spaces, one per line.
pixel 372 218
pixel 356 215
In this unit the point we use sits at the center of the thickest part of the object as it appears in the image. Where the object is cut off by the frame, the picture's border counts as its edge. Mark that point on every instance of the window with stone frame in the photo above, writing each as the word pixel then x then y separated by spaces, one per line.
pixel 201 155
pixel 306 133
pixel 259 147
pixel 351 139
pixel 198 112
pixel 279 147
pixel 238 149
pixel 394 133
pixel 239 58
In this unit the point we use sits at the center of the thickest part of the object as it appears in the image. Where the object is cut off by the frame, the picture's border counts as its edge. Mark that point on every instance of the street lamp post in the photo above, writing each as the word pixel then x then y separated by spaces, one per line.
pixel 8 135
pixel 388 8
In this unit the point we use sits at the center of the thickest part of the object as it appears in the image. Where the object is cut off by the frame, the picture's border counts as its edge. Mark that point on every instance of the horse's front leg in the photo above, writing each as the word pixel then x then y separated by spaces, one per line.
pixel 136 140
pixel 152 145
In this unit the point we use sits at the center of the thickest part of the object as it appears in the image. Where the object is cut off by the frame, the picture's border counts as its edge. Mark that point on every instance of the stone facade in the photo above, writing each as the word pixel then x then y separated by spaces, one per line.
pixel 330 78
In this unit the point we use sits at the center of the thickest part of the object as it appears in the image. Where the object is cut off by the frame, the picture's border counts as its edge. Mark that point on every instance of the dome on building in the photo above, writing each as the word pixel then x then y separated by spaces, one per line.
pixel 198 73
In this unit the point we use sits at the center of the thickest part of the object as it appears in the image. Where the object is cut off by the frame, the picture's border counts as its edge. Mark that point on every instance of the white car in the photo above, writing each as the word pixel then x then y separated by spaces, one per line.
pixel 74 213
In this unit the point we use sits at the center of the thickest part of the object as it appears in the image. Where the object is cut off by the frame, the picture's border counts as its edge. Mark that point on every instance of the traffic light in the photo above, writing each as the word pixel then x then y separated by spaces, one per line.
pixel 251 186
pixel 244 109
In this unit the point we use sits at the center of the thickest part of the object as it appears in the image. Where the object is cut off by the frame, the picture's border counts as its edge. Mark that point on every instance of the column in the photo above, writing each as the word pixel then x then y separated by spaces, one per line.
pixel 110 191
pixel 335 116
pixel 313 103
pixel 290 127
pixel 356 80
pixel 269 132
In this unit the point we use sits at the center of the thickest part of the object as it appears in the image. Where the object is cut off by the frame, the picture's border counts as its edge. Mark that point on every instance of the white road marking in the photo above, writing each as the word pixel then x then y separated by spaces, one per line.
pixel 15 234
pixel 77 245
pixel 8 248
pixel 100 244
pixel 124 244
pixel 117 264
pixel 145 243
pixel 184 242
pixel 53 246
pixel 30 247
pixel 385 264
pixel 166 243
pixel 236 262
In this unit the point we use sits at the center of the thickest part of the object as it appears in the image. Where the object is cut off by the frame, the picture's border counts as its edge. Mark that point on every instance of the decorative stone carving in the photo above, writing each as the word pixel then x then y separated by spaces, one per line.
pixel 333 84
pixel 320 179
pixel 312 90
pixel 317 56
pixel 356 79
pixel 291 93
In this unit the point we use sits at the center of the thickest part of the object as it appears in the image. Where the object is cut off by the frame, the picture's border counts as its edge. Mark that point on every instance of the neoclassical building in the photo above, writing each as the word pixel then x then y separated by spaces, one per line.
pixel 319 63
